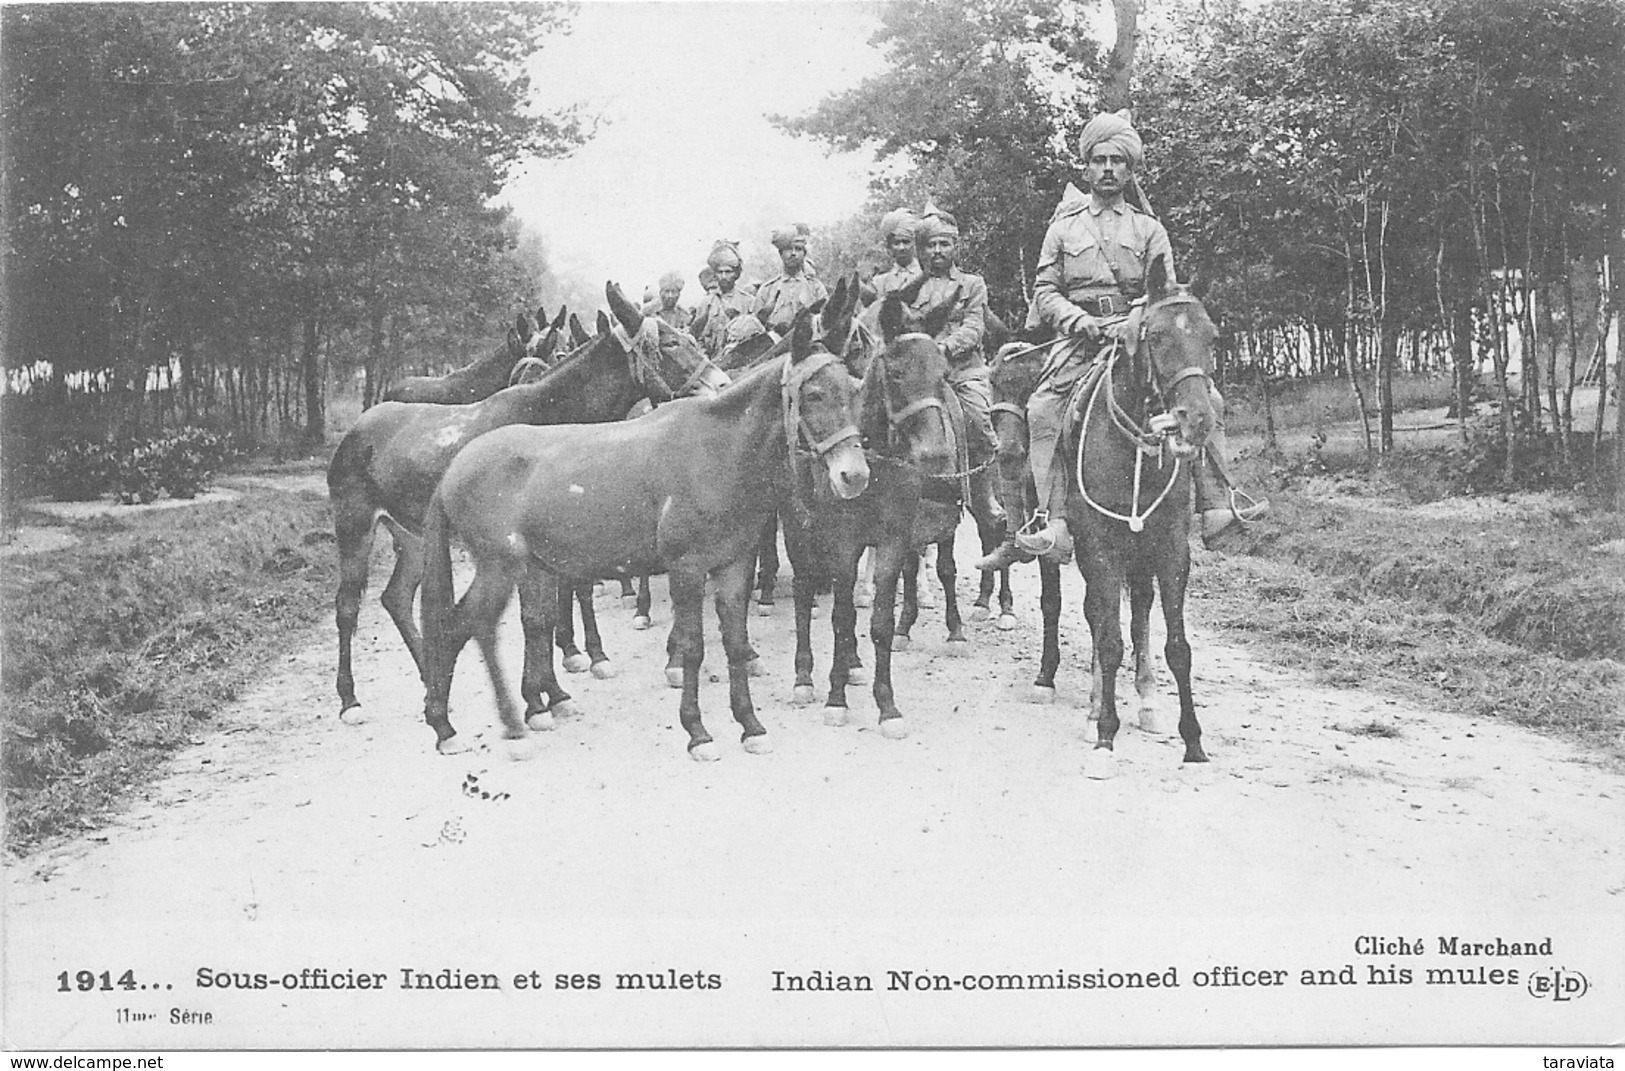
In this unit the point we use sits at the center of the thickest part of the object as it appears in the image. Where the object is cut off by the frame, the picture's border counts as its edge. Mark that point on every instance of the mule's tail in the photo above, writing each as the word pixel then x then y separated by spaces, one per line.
pixel 438 607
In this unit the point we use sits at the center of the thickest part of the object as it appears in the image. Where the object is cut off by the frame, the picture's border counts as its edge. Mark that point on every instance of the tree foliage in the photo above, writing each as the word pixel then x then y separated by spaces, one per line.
pixel 1360 184
pixel 227 188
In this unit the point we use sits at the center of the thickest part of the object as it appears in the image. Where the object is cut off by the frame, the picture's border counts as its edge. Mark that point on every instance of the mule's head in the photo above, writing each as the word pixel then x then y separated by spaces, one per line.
pixel 818 399
pixel 1176 343
pixel 1012 377
pixel 668 362
pixel 906 386
pixel 523 337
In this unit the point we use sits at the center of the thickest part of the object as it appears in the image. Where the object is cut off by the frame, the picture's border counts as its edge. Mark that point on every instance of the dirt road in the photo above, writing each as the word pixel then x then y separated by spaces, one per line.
pixel 286 839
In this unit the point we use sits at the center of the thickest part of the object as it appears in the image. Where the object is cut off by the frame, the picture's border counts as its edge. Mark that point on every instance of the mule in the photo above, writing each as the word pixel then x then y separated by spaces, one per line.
pixel 478 379
pixel 386 467
pixel 682 490
pixel 1144 423
pixel 902 404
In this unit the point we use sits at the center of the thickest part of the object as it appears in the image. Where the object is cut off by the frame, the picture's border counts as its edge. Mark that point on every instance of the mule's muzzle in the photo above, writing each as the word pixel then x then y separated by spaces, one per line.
pixel 1188 428
pixel 848 469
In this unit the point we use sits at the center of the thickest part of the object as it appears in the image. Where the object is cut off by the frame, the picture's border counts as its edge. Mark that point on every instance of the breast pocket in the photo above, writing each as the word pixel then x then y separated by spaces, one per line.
pixel 1083 261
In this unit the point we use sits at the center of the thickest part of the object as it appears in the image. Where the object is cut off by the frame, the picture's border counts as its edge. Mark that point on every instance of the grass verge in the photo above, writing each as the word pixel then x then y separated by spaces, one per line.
pixel 121 648
pixel 1503 606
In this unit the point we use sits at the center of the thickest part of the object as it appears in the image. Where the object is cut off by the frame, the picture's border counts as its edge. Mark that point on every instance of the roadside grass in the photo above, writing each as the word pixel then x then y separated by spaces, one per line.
pixel 121 648
pixel 1316 403
pixel 1509 606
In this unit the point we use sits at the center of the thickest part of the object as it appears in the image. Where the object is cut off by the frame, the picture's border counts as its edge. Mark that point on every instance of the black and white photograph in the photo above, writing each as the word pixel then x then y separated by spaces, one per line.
pixel 812 525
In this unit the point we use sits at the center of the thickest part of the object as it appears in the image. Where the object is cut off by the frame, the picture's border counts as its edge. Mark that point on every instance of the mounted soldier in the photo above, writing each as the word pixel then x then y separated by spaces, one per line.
pixel 1091 267
pixel 722 304
pixel 936 242
pixel 897 229
pixel 793 288
pixel 665 306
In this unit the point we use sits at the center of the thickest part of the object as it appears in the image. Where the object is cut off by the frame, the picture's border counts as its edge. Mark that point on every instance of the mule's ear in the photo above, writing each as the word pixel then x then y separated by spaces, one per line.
pixel 891 315
pixel 522 325
pixel 578 330
pixel 558 321
pixel 837 320
pixel 801 336
pixel 603 322
pixel 623 310
pixel 1156 280
pixel 911 289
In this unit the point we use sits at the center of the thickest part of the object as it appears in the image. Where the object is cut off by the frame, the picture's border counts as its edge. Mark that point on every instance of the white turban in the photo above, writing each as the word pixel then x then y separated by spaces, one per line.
pixel 1117 129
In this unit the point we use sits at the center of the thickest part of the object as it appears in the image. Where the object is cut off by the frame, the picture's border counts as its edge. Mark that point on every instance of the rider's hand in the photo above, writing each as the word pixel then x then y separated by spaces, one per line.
pixel 1085 324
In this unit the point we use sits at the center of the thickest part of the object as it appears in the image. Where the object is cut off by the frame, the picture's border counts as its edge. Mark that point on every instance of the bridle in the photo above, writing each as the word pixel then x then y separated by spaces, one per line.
pixel 796 429
pixel 1151 439
pixel 896 418
pixel 644 349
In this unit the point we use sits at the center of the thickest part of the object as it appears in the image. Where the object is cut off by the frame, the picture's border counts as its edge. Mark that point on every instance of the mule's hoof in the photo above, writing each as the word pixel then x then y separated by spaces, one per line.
pixel 451 745
pixel 857 675
pixel 1042 694
pixel 565 708
pixel 706 752
pixel 1101 764
pixel 802 695
pixel 958 645
pixel 893 728
pixel 863 598
pixel 642 622
pixel 541 721
pixel 1006 622
pixel 353 715
pixel 764 609
pixel 523 750
pixel 757 745
pixel 834 716
pixel 980 613
pixel 603 670
pixel 576 663
pixel 899 642
pixel 674 676
pixel 754 668
pixel 1151 721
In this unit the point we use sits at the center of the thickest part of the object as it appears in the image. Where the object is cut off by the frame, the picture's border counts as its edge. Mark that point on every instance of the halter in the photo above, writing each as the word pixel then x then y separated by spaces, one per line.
pixel 644 348
pixel 796 428
pixel 1149 440
pixel 895 418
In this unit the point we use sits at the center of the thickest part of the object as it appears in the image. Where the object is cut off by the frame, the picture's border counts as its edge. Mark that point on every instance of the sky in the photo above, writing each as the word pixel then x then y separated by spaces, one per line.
pixel 684 153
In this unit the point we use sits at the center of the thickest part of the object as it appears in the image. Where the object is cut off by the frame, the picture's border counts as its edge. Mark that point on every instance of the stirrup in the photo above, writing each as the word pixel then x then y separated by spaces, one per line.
pixel 1252 510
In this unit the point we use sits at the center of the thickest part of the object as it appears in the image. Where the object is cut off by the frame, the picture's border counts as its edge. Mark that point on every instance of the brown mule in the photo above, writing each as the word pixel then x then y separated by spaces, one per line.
pixel 682 490
pixel 387 466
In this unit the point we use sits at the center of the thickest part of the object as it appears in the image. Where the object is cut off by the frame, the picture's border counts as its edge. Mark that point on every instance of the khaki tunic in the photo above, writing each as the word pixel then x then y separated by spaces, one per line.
pixel 785 295
pixel 716 311
pixel 1094 251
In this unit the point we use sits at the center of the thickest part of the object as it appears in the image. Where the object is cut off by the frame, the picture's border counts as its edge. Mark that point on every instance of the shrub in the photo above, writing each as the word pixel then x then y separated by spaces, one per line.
pixel 180 463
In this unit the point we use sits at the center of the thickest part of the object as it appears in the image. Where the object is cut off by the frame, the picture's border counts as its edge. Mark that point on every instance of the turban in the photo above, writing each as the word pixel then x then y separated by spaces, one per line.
pixel 935 223
pixel 671 281
pixel 723 252
pixel 1114 128
pixel 898 221
pixel 782 237
pixel 708 278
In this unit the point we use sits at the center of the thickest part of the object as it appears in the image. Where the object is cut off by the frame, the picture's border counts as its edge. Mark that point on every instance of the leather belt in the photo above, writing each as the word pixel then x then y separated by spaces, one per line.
pixel 1103 304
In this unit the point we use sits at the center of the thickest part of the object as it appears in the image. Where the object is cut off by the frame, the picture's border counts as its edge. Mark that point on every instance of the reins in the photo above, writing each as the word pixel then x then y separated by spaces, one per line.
pixel 1150 440
pixel 796 428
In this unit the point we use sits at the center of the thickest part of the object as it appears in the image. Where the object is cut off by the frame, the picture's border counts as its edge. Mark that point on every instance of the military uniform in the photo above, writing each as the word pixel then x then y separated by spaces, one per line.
pixel 677 316
pixel 782 296
pixel 713 316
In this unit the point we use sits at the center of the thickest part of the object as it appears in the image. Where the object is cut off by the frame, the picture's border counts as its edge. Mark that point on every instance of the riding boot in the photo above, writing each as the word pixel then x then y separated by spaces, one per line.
pixel 1053 543
pixel 1003 556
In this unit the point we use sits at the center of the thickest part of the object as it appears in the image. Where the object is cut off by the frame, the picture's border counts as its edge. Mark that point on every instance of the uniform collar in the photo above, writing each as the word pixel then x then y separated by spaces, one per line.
pixel 1095 208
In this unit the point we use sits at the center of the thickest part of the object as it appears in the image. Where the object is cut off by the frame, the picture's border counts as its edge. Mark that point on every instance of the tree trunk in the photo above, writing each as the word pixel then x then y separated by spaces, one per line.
pixel 311 371
pixel 1387 351
pixel 1114 85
